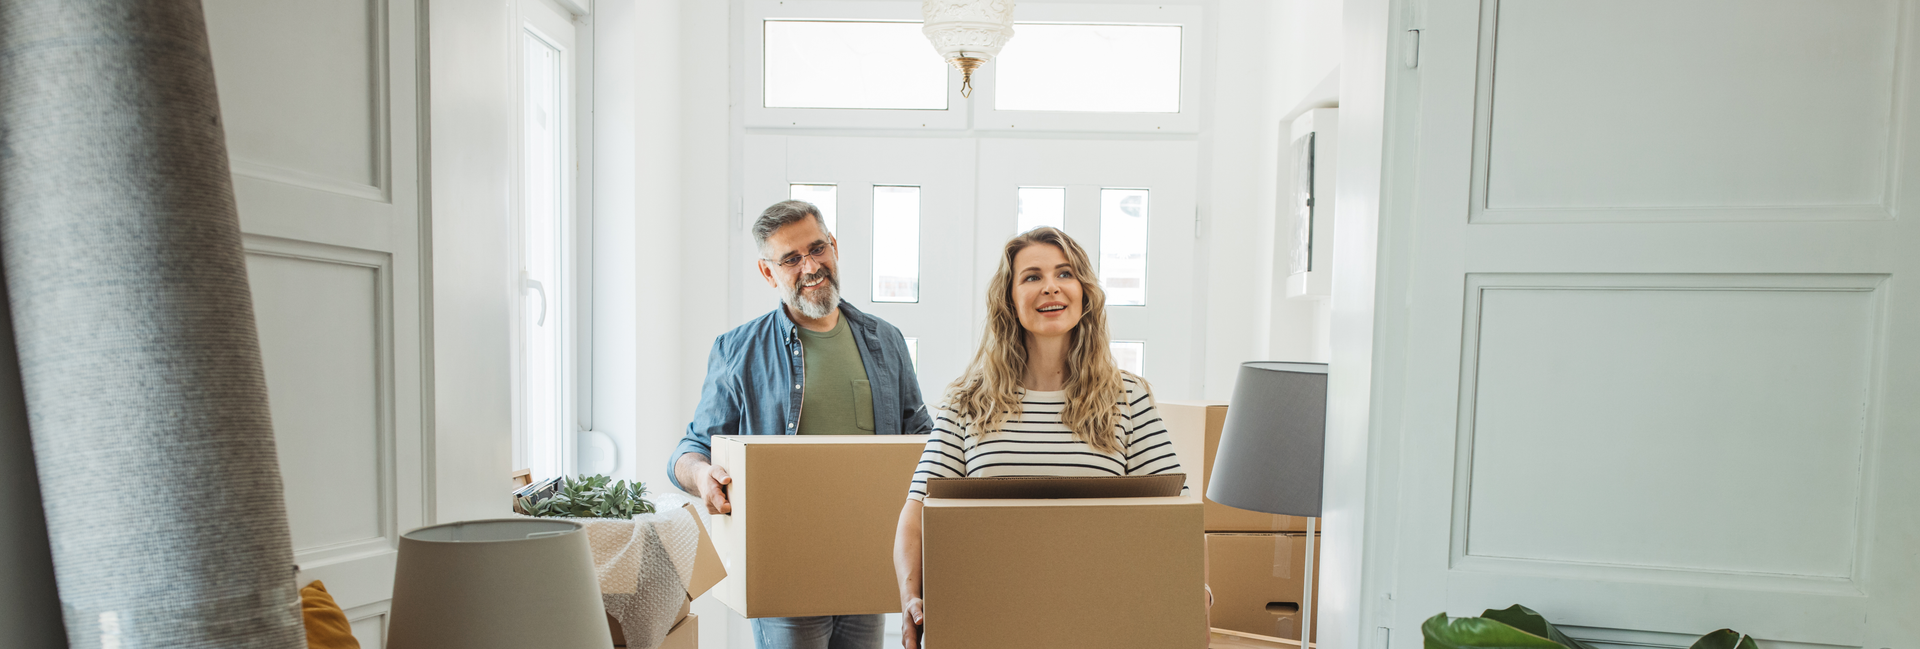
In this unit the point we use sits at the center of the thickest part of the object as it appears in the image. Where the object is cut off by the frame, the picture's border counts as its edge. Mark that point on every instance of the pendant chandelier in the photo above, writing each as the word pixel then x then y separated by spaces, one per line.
pixel 967 33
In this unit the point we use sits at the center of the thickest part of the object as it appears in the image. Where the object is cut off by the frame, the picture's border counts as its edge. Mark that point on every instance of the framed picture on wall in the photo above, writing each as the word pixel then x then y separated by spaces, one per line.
pixel 1308 204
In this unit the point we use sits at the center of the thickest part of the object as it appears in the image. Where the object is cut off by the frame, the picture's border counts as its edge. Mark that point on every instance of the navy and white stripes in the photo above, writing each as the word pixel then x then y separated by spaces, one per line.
pixel 1037 443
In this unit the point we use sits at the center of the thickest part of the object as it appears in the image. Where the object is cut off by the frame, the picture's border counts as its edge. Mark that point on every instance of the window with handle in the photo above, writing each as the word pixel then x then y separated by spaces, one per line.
pixel 527 282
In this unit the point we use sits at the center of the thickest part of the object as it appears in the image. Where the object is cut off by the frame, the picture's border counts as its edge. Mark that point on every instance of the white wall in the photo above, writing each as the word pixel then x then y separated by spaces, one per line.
pixel 472 165
pixel 1268 57
pixel 662 225
pixel 661 220
pixel 615 356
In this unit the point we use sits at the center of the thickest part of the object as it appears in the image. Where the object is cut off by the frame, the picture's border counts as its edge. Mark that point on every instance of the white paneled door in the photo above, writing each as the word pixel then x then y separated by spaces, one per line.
pixel 1658 329
pixel 321 108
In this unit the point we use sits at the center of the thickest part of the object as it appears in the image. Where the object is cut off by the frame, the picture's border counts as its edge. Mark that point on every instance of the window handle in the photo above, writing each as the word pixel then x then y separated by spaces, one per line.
pixel 531 283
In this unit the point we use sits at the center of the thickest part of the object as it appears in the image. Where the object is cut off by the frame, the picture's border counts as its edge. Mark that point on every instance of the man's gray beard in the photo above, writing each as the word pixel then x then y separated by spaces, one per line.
pixel 828 300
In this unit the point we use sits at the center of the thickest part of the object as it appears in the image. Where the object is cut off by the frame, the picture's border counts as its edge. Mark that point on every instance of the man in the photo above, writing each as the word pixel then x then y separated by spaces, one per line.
pixel 811 350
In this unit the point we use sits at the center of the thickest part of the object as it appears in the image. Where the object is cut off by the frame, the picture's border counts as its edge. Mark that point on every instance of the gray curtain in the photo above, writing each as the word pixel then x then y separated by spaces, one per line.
pixel 134 326
pixel 29 603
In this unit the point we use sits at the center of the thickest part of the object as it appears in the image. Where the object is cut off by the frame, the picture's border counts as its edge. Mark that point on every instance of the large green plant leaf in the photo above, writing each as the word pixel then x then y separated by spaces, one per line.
pixel 1526 619
pixel 1479 633
pixel 1725 639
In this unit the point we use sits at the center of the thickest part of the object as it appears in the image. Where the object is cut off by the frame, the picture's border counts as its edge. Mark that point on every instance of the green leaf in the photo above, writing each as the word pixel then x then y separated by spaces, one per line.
pixel 1478 633
pixel 1725 639
pixel 595 496
pixel 1526 619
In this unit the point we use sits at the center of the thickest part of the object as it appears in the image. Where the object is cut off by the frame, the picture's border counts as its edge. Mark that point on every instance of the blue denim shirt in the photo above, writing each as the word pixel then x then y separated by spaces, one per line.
pixel 755 377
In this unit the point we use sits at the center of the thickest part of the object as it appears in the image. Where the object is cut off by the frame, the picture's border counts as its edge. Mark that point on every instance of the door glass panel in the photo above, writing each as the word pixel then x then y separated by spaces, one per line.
pixel 1090 68
pixel 896 244
pixel 1043 206
pixel 844 64
pixel 1129 355
pixel 1123 246
pixel 825 197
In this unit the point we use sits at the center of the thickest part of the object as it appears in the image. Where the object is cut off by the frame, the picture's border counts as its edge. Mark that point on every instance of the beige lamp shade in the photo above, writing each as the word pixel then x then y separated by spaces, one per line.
pixel 510 583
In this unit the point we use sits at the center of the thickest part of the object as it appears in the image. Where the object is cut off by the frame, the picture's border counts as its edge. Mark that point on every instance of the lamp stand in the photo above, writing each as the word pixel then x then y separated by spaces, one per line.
pixel 1306 596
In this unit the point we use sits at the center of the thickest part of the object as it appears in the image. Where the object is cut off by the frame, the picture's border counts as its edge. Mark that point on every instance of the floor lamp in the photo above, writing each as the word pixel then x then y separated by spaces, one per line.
pixel 1273 450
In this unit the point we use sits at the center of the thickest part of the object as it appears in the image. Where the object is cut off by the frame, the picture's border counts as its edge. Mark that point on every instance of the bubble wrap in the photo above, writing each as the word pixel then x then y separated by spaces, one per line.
pixel 644 566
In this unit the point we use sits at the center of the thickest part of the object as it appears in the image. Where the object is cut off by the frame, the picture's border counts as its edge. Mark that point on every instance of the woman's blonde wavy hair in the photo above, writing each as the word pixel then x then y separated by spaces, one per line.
pixel 988 394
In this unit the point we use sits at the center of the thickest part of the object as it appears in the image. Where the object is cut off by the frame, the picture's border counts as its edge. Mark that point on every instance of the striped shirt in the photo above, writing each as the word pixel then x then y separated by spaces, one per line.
pixel 1037 443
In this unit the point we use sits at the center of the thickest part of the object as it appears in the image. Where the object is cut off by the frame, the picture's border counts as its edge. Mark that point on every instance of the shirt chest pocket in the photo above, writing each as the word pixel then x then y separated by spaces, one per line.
pixel 863 405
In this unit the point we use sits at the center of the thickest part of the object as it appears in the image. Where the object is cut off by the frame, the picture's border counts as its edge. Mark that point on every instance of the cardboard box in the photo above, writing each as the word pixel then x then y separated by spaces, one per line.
pixel 707 571
pixel 1112 573
pixel 813 520
pixel 685 635
pixel 1195 426
pixel 1224 639
pixel 1258 582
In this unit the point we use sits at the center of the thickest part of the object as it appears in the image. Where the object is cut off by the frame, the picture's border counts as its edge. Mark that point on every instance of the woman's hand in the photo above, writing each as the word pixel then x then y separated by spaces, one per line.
pixel 906 566
pixel 912 617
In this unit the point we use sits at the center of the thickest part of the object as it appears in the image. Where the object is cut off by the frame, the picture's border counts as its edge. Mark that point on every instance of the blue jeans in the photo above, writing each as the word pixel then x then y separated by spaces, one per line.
pixel 830 632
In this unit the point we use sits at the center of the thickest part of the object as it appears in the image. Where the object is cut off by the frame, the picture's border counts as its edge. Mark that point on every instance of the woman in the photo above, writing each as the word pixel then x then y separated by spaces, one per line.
pixel 1041 397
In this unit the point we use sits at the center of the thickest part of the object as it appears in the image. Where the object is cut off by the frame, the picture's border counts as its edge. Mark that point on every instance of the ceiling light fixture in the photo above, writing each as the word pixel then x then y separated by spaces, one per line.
pixel 967 33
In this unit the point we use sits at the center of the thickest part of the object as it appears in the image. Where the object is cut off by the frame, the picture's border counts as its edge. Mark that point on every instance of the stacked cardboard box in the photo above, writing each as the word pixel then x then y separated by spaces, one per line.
pixel 684 635
pixel 1257 580
pixel 1115 573
pixel 811 532
pixel 707 572
pixel 1256 562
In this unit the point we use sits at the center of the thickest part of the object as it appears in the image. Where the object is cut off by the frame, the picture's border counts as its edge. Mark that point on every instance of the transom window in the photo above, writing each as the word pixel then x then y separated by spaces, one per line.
pixel 1090 68
pixel 852 64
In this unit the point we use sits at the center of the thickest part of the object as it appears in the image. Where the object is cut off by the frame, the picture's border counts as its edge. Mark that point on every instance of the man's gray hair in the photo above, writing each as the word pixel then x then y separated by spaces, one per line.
pixel 781 214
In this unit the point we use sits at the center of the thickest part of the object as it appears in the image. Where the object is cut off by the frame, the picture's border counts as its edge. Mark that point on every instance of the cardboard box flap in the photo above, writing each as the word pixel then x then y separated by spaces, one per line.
pixel 707 569
pixel 1023 487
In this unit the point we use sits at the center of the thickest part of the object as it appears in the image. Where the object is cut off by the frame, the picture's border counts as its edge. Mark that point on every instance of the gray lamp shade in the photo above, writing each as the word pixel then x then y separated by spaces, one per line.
pixel 1273 446
pixel 509 583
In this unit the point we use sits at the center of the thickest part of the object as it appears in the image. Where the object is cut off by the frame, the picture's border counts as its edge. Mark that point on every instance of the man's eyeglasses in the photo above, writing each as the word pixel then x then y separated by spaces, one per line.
pixel 794 259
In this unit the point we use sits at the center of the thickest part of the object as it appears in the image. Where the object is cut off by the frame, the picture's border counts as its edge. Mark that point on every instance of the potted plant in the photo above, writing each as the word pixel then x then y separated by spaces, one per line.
pixel 1519 627
pixel 588 497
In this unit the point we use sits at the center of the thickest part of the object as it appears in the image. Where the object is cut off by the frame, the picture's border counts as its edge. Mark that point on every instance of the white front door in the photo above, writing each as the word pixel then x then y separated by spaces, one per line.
pixel 968 200
pixel 913 277
pixel 321 112
pixel 1149 280
pixel 1652 281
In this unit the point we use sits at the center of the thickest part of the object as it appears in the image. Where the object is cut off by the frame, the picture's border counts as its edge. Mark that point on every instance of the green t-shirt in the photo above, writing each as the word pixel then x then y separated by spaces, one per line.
pixel 837 399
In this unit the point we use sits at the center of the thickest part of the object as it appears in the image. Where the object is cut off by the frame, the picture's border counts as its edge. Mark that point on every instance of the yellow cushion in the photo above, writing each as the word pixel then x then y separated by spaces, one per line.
pixel 327 625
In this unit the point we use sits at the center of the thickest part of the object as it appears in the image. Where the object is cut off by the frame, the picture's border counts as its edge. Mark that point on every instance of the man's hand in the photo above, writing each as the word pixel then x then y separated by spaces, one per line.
pixel 913 616
pixel 713 482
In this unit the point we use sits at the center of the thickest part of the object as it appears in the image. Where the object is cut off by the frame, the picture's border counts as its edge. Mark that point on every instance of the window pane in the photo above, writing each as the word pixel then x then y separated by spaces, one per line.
pixel 896 244
pixel 1123 246
pixel 1043 206
pixel 1130 355
pixel 825 197
pixel 1091 68
pixel 913 353
pixel 541 182
pixel 818 64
